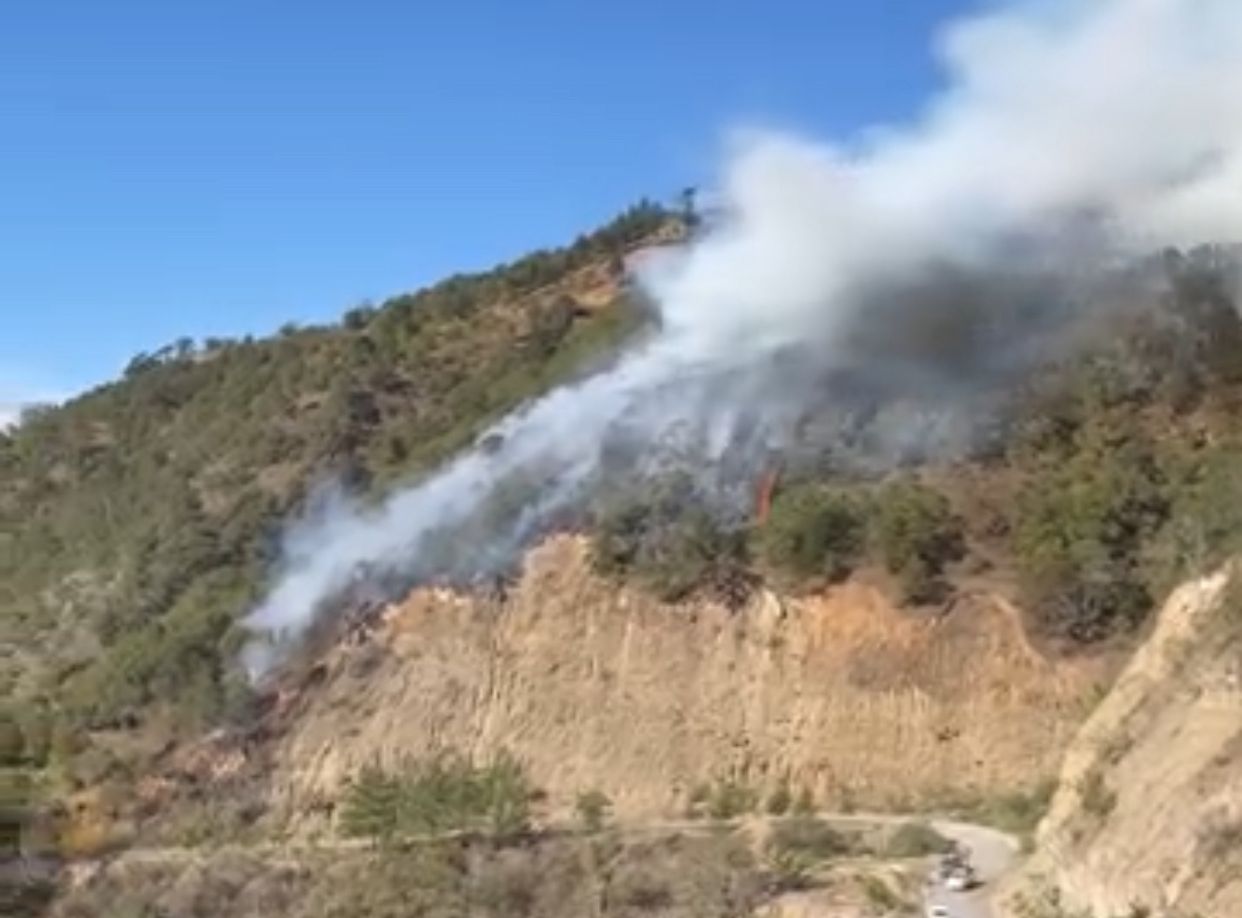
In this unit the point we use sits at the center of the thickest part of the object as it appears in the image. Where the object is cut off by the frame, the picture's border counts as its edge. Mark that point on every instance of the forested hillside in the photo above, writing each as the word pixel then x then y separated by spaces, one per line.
pixel 1091 485
pixel 140 521
pixel 136 520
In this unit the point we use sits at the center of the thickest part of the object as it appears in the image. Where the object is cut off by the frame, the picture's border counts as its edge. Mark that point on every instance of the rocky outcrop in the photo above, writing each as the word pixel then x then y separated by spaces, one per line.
pixel 595 687
pixel 1148 814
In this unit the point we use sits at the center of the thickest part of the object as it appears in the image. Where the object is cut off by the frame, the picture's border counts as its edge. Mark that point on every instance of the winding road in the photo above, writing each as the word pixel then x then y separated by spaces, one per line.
pixel 992 853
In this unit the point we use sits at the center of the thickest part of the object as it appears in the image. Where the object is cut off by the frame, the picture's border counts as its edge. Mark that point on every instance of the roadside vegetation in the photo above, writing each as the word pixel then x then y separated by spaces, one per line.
pixel 915 839
pixel 441 795
pixel 1017 812
pixel 445 844
pixel 677 877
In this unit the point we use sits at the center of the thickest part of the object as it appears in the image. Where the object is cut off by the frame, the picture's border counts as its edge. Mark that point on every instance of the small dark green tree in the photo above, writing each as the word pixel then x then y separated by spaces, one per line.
pixel 439 795
pixel 507 794
pixel 372 804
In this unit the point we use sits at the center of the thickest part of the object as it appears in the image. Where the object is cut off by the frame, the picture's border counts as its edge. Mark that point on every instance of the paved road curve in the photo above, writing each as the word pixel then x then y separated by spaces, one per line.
pixel 992 854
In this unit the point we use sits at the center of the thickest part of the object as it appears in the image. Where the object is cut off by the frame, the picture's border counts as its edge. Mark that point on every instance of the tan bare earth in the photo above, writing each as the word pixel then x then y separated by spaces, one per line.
pixel 595 687
pixel 1149 809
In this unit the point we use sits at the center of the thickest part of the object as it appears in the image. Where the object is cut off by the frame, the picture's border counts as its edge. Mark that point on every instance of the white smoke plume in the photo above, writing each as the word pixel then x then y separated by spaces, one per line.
pixel 1116 123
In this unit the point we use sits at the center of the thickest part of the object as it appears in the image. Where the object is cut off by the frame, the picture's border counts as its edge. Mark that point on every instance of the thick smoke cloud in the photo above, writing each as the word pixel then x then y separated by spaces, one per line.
pixel 1069 137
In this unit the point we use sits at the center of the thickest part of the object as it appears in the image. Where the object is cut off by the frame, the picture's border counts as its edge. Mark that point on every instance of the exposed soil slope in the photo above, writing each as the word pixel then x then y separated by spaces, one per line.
pixel 1149 809
pixel 595 686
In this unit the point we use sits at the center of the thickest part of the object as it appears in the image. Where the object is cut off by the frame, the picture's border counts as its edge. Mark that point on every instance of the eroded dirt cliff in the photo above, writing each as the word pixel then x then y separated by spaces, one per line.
pixel 595 687
pixel 1148 814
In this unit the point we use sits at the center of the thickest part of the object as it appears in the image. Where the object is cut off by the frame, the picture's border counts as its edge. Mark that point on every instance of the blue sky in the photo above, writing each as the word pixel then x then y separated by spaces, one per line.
pixel 219 168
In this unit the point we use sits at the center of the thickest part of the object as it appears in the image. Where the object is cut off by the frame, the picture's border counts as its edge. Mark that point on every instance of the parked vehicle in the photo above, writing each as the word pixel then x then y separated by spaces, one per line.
pixel 957 882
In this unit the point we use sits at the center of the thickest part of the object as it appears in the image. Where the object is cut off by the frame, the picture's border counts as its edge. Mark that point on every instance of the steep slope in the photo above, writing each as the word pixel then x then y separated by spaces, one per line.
pixel 1149 810
pixel 138 520
pixel 598 687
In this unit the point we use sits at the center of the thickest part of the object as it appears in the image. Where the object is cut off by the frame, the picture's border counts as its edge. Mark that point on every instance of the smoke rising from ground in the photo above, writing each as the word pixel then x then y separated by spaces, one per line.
pixel 1069 136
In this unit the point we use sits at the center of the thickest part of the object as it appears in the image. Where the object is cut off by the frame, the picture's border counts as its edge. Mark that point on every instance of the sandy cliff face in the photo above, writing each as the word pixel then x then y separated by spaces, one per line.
pixel 1149 809
pixel 595 687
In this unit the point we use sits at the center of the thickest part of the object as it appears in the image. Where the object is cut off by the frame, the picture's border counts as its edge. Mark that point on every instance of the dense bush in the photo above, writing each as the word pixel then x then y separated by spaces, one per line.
pixel 438 795
pixel 915 839
pixel 730 799
pixel 1017 812
pixel 661 535
pixel 550 877
pixel 915 533
pixel 1080 527
pixel 1204 520
pixel 812 532
pixel 808 835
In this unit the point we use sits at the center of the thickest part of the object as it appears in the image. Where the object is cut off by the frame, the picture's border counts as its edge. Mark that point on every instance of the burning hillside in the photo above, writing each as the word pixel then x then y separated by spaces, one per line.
pixel 870 301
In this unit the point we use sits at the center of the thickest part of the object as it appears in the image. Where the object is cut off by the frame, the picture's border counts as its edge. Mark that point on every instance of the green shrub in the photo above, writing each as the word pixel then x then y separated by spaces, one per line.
pixel 915 839
pixel 1018 812
pixel 372 801
pixel 661 536
pixel 438 795
pixel 731 799
pixel 507 796
pixel 812 532
pixel 1079 532
pixel 915 533
pixel 780 800
pixel 809 836
pixel 1204 522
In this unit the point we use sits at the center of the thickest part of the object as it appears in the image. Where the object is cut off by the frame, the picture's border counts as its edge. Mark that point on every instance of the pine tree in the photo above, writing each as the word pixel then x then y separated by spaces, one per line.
pixel 371 805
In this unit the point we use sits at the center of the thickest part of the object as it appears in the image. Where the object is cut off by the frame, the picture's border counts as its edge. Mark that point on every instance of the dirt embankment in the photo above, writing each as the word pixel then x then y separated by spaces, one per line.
pixel 595 687
pixel 1149 809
